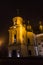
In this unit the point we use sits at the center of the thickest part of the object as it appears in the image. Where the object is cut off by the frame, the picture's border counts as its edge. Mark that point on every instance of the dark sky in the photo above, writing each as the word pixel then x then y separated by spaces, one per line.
pixel 28 10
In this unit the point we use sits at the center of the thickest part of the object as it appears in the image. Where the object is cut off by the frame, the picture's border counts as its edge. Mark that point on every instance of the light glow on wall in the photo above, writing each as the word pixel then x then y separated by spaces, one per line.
pixel 18 55
pixel 21 33
pixel 2 40
pixel 41 27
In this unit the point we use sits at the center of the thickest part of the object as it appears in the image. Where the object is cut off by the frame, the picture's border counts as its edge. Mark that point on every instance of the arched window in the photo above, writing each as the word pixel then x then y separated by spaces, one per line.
pixel 15 38
pixel 28 41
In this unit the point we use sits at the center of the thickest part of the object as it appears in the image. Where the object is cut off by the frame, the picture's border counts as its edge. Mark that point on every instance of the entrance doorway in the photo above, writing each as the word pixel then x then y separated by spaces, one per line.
pixel 14 54
pixel 29 52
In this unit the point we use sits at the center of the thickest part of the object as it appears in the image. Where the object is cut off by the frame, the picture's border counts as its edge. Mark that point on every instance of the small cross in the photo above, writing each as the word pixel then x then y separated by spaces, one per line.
pixel 17 11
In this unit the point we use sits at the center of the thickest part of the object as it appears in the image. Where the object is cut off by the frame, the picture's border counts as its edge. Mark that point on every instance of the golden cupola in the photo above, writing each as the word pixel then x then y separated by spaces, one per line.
pixel 29 28
pixel 17 20
pixel 40 26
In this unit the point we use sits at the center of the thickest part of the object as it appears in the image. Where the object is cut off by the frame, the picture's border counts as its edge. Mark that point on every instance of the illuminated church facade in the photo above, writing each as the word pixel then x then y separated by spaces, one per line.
pixel 22 40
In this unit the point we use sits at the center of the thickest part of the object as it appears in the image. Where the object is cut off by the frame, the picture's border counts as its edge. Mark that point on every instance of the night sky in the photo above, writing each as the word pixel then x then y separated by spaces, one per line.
pixel 32 11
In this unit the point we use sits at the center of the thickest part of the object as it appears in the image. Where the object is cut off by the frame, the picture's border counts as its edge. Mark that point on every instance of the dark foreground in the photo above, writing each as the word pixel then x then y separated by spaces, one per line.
pixel 29 60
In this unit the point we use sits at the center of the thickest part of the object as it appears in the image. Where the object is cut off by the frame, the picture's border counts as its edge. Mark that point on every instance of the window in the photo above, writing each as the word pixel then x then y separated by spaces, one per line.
pixel 28 41
pixel 29 52
pixel 15 36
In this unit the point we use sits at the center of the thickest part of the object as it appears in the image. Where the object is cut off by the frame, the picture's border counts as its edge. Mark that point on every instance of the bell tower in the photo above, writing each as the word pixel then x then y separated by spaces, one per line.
pixel 17 38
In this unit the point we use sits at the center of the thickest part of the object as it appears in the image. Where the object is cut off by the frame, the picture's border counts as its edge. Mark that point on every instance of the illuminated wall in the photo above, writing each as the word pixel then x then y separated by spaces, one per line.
pixel 19 34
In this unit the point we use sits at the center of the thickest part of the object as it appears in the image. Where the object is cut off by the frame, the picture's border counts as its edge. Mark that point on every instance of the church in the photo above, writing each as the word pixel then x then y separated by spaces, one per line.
pixel 22 40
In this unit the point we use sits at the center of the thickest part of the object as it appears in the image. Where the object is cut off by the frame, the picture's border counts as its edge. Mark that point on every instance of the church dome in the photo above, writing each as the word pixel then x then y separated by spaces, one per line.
pixel 17 20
